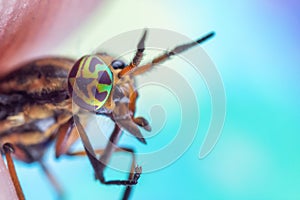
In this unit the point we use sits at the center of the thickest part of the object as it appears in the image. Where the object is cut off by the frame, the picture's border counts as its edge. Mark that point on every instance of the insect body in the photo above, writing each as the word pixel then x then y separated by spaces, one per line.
pixel 36 108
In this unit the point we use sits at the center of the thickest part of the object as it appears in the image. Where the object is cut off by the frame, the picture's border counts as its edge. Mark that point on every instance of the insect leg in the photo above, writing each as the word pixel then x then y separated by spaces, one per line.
pixel 8 149
pixel 120 149
pixel 65 138
pixel 177 50
pixel 138 56
pixel 29 157
pixel 101 151
pixel 100 165
pixel 52 179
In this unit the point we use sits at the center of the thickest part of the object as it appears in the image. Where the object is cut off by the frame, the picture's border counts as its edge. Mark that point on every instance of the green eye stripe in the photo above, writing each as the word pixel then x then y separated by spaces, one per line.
pixel 93 81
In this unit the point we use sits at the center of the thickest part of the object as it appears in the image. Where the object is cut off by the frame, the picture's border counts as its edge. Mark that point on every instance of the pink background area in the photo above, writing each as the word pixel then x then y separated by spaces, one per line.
pixel 30 28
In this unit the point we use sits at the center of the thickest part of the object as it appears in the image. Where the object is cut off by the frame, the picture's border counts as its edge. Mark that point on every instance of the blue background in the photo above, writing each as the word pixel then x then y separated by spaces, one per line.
pixel 256 51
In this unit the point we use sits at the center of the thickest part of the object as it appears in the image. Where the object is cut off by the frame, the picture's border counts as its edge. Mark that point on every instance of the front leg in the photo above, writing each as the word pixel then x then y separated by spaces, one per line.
pixel 100 165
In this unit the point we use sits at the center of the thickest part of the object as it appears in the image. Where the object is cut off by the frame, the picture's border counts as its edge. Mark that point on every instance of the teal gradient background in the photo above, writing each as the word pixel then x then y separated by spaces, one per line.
pixel 256 50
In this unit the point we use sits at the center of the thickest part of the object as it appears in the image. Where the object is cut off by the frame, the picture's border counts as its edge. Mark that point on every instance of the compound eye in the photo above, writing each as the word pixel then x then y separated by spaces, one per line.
pixel 90 83
pixel 118 64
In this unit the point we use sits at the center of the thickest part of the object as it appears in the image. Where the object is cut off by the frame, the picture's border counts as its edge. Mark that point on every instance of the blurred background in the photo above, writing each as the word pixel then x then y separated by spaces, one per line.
pixel 255 50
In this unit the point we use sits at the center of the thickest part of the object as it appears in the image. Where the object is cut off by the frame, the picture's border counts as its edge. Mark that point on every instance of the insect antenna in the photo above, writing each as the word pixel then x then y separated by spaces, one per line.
pixel 138 55
pixel 177 50
pixel 184 47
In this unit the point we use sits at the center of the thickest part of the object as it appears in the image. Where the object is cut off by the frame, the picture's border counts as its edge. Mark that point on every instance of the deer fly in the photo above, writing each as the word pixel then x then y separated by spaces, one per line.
pixel 37 110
